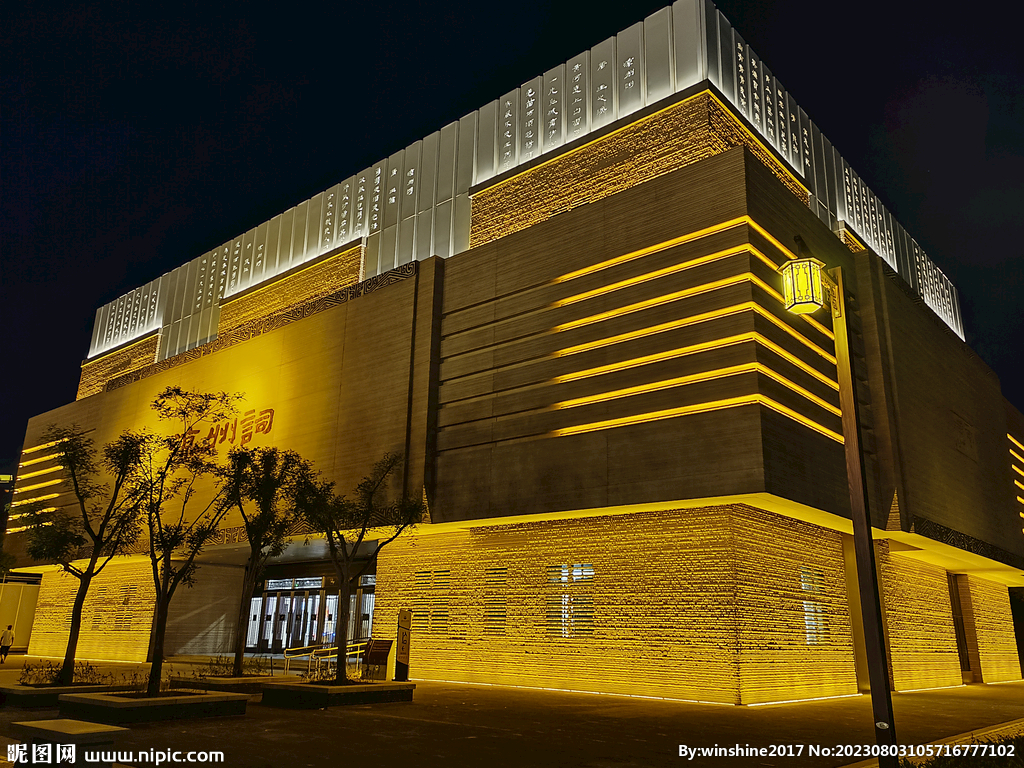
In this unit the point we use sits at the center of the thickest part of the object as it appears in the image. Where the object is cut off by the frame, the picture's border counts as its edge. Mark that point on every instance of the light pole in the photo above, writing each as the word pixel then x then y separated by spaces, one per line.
pixel 805 286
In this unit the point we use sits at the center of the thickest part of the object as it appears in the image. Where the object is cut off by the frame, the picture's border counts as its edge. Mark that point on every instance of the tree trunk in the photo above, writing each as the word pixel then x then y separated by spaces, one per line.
pixel 248 587
pixel 67 671
pixel 341 635
pixel 157 667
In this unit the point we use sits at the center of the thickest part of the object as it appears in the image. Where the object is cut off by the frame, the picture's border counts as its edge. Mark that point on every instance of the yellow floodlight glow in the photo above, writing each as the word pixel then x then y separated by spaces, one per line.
pixel 23 502
pixel 747 306
pixel 800 701
pixel 648 276
pixel 41 459
pixel 702 347
pixel 37 485
pixel 46 471
pixel 40 447
pixel 681 381
pixel 802 287
pixel 687 410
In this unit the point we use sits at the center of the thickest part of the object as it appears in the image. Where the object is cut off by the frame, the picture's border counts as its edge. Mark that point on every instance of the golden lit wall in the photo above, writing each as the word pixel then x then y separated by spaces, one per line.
pixel 313 282
pixel 96 373
pixel 116 620
pixel 793 617
pixel 988 625
pixel 679 135
pixel 919 620
pixel 699 604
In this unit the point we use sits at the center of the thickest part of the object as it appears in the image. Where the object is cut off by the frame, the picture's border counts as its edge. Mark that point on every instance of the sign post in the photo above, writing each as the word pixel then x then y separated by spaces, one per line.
pixel 402 653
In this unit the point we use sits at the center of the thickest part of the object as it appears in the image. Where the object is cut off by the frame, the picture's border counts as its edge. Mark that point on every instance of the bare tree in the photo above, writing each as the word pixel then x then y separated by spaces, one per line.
pixel 180 522
pixel 347 524
pixel 103 522
pixel 264 485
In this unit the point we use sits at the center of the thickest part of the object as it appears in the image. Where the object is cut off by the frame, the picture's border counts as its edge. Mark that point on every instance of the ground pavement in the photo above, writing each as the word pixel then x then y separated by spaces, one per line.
pixel 454 725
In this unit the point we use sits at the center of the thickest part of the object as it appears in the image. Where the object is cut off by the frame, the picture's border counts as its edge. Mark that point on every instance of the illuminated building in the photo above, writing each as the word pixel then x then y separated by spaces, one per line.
pixel 632 455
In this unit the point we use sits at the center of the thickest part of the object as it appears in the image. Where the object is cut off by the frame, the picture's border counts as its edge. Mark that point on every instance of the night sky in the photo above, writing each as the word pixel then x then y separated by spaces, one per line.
pixel 130 145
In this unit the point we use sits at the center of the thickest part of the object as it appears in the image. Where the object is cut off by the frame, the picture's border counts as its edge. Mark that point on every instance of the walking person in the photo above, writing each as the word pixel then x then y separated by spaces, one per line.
pixel 6 641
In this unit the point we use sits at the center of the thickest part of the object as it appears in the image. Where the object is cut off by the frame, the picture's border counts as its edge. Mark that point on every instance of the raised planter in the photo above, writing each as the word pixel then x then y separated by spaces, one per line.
pixel 313 696
pixel 118 710
pixel 37 697
pixel 251 684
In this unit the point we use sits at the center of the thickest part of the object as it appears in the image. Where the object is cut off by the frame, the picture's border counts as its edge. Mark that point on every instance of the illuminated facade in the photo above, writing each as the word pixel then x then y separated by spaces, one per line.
pixel 565 311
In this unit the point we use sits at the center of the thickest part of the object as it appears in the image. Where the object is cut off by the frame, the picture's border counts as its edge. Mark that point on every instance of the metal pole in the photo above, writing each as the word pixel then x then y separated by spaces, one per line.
pixel 867 576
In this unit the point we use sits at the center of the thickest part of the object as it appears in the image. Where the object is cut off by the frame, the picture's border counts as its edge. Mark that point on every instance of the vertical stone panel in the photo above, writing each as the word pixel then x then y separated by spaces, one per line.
pixel 988 625
pixel 116 620
pixel 919 620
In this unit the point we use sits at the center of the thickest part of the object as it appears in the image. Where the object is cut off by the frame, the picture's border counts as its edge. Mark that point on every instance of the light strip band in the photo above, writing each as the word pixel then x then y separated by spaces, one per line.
pixel 26 514
pixel 35 448
pixel 21 528
pixel 696 291
pixel 40 472
pixel 40 459
pixel 37 485
pixel 1016 455
pixel 698 234
pixel 1018 470
pixel 648 276
pixel 702 347
pixel 680 381
pixel 1015 441
pixel 34 499
pixel 714 405
pixel 747 306
pixel 1019 484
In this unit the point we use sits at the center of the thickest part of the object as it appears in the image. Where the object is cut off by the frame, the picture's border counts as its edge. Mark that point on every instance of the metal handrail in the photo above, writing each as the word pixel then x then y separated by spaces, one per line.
pixel 319 654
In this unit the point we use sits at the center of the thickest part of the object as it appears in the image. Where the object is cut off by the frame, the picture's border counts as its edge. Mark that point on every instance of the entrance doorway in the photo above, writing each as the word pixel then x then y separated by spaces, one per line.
pixel 301 612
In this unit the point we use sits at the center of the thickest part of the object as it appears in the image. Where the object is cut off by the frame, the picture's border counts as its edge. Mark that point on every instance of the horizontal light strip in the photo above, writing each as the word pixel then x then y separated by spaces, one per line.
pixel 39 511
pixel 680 381
pixel 35 448
pixel 747 306
pixel 658 300
pixel 23 502
pixel 1018 470
pixel 40 472
pixel 671 354
pixel 37 485
pixel 700 233
pixel 1017 456
pixel 795 334
pixel 1015 441
pixel 39 460
pixel 658 273
pixel 653 329
pixel 714 405
pixel 687 238
pixel 21 528
pixel 696 291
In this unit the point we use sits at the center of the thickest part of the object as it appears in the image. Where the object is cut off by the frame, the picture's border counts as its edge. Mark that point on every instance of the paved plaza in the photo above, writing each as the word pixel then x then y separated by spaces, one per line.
pixel 494 727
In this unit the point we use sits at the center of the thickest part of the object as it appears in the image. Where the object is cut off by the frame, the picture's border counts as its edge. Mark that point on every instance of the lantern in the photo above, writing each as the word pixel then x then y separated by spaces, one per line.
pixel 803 291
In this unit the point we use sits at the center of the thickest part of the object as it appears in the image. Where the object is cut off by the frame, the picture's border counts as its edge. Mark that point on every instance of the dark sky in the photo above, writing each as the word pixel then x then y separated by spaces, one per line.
pixel 130 145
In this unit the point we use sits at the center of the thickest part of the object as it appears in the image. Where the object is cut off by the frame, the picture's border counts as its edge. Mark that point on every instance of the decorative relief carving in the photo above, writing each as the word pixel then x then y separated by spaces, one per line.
pixel 266 324
pixel 936 532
